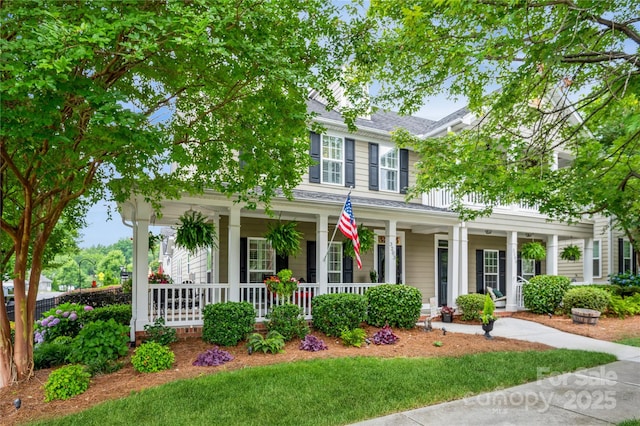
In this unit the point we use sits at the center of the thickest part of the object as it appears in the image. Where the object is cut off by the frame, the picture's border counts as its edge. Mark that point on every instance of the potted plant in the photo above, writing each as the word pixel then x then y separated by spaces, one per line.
pixel 194 232
pixel 367 239
pixel 487 316
pixel 571 253
pixel 373 276
pixel 533 250
pixel 284 238
pixel 446 312
pixel 283 284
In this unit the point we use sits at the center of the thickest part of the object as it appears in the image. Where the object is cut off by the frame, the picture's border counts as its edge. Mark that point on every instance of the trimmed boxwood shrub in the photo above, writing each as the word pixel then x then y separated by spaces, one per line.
pixel 397 305
pixel 585 297
pixel 66 382
pixel 470 305
pixel 287 320
pixel 333 313
pixel 228 323
pixel 152 357
pixel 543 293
pixel 120 313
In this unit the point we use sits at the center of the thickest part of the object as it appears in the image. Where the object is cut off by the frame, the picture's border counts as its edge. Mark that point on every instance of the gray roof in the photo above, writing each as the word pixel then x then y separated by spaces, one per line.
pixel 451 117
pixel 379 120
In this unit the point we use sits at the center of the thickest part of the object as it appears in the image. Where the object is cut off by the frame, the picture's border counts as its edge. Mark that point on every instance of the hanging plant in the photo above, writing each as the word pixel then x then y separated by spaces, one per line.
pixel 367 239
pixel 533 250
pixel 284 238
pixel 194 233
pixel 571 252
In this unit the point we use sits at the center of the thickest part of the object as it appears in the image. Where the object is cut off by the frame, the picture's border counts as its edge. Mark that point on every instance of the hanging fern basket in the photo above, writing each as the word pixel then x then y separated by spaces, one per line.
pixel 284 238
pixel 571 253
pixel 366 237
pixel 195 233
pixel 533 250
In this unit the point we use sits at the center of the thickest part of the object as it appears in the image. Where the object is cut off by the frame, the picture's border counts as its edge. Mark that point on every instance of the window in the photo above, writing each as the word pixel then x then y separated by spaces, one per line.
pixel 389 165
pixel 626 256
pixel 261 260
pixel 491 268
pixel 332 159
pixel 528 268
pixel 334 264
pixel 596 259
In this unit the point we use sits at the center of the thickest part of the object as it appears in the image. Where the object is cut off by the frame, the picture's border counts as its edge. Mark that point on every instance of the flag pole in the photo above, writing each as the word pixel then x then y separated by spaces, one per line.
pixel 336 228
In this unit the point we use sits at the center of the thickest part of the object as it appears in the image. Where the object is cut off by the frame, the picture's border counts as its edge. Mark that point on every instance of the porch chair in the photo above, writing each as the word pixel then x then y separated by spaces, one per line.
pixel 498 299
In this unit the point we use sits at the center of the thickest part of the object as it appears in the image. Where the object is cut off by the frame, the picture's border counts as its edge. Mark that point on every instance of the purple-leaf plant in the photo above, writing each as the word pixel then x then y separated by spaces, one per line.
pixel 312 343
pixel 212 357
pixel 385 336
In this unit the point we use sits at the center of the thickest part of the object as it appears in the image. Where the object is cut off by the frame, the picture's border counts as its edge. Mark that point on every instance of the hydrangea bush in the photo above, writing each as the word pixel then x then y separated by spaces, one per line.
pixel 62 320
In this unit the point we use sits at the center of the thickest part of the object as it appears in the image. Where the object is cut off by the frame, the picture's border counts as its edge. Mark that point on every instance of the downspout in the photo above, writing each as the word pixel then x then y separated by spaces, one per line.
pixel 134 314
pixel 610 251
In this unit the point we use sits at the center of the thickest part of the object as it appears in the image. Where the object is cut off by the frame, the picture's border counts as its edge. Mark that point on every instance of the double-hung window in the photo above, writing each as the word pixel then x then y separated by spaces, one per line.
pixel 491 268
pixel 528 268
pixel 262 259
pixel 332 159
pixel 627 265
pixel 596 259
pixel 389 168
pixel 334 263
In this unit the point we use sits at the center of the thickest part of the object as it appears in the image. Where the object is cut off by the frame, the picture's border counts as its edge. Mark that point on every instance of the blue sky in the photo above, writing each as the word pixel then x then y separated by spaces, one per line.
pixel 101 230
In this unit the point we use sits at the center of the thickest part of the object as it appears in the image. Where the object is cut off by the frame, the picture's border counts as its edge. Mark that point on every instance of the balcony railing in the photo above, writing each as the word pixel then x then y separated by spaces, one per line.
pixel 443 198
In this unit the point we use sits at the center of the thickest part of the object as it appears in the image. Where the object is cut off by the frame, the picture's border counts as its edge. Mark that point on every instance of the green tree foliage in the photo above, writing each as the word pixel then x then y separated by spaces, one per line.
pixel 548 60
pixel 93 90
pixel 110 266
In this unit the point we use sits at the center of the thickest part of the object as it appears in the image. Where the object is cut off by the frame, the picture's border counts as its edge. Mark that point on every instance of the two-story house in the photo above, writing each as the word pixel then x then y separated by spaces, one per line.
pixel 419 242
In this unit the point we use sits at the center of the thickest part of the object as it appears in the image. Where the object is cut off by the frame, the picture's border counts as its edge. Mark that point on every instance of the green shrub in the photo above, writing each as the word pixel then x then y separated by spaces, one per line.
pixel 152 357
pixel 52 354
pixel 622 307
pixel 273 343
pixel 287 319
pixel 160 333
pixel 626 279
pixel 543 293
pixel 470 305
pixel 355 337
pixel 228 323
pixel 333 313
pixel 397 305
pixel 585 297
pixel 66 382
pixel 99 343
pixel 121 313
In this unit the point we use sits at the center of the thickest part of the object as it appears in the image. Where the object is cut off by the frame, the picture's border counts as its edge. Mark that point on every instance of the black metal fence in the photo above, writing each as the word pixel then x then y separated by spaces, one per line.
pixel 42 306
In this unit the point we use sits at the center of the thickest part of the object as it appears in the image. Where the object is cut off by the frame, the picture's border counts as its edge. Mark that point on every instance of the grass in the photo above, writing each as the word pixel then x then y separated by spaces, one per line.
pixel 631 341
pixel 328 391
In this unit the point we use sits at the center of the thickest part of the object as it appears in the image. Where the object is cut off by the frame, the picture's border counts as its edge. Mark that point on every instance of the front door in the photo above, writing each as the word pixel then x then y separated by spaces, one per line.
pixel 443 274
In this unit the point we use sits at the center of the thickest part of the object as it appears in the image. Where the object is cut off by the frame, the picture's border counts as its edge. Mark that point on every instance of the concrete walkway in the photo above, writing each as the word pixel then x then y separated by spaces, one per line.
pixel 601 395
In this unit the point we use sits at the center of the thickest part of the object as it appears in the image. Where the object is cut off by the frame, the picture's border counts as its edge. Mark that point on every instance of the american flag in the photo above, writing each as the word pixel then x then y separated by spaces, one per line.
pixel 347 225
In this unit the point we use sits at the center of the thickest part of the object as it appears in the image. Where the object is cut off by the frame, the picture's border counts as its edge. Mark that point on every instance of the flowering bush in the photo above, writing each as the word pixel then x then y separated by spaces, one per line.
pixel 212 357
pixel 158 278
pixel 448 310
pixel 385 336
pixel 312 343
pixel 60 321
pixel 283 285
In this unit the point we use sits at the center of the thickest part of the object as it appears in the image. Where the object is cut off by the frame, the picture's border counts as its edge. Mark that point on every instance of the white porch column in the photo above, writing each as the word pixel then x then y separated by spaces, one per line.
pixel 511 270
pixel 453 280
pixel 390 255
pixel 140 288
pixel 463 262
pixel 322 238
pixel 587 265
pixel 233 254
pixel 215 267
pixel 552 255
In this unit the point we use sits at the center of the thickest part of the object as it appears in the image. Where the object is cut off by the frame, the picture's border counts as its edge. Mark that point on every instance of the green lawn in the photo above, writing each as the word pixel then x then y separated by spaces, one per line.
pixel 631 341
pixel 328 391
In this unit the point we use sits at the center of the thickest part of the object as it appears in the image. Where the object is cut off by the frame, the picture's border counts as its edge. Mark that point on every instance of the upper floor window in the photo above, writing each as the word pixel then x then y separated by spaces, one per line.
pixel 332 159
pixel 389 169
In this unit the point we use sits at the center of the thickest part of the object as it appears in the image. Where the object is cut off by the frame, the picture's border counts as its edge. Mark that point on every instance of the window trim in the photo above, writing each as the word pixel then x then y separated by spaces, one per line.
pixel 598 259
pixel 262 271
pixel 627 243
pixel 383 183
pixel 323 159
pixel 338 247
pixel 484 268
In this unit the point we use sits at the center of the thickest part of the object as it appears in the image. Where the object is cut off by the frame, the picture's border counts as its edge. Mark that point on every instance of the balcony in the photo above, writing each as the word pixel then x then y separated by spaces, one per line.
pixel 443 198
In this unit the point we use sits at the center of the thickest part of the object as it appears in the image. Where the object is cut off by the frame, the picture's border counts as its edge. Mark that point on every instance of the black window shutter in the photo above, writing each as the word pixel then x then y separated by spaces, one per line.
pixel 311 262
pixel 519 265
pixel 502 271
pixel 479 271
pixel 243 260
pixel 404 170
pixel 282 262
pixel 349 163
pixel 373 167
pixel 314 152
pixel 347 267
pixel 538 267
pixel 620 255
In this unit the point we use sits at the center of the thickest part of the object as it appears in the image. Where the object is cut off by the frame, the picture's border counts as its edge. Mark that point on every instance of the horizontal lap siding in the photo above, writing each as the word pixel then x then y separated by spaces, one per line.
pixel 420 263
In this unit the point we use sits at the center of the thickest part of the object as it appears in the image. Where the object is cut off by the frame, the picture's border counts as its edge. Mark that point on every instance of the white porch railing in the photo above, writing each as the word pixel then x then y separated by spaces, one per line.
pixel 183 304
pixel 518 289
pixel 444 199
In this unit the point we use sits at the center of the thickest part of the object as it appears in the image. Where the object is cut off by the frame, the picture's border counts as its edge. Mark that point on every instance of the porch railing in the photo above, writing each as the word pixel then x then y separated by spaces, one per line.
pixel 444 199
pixel 183 304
